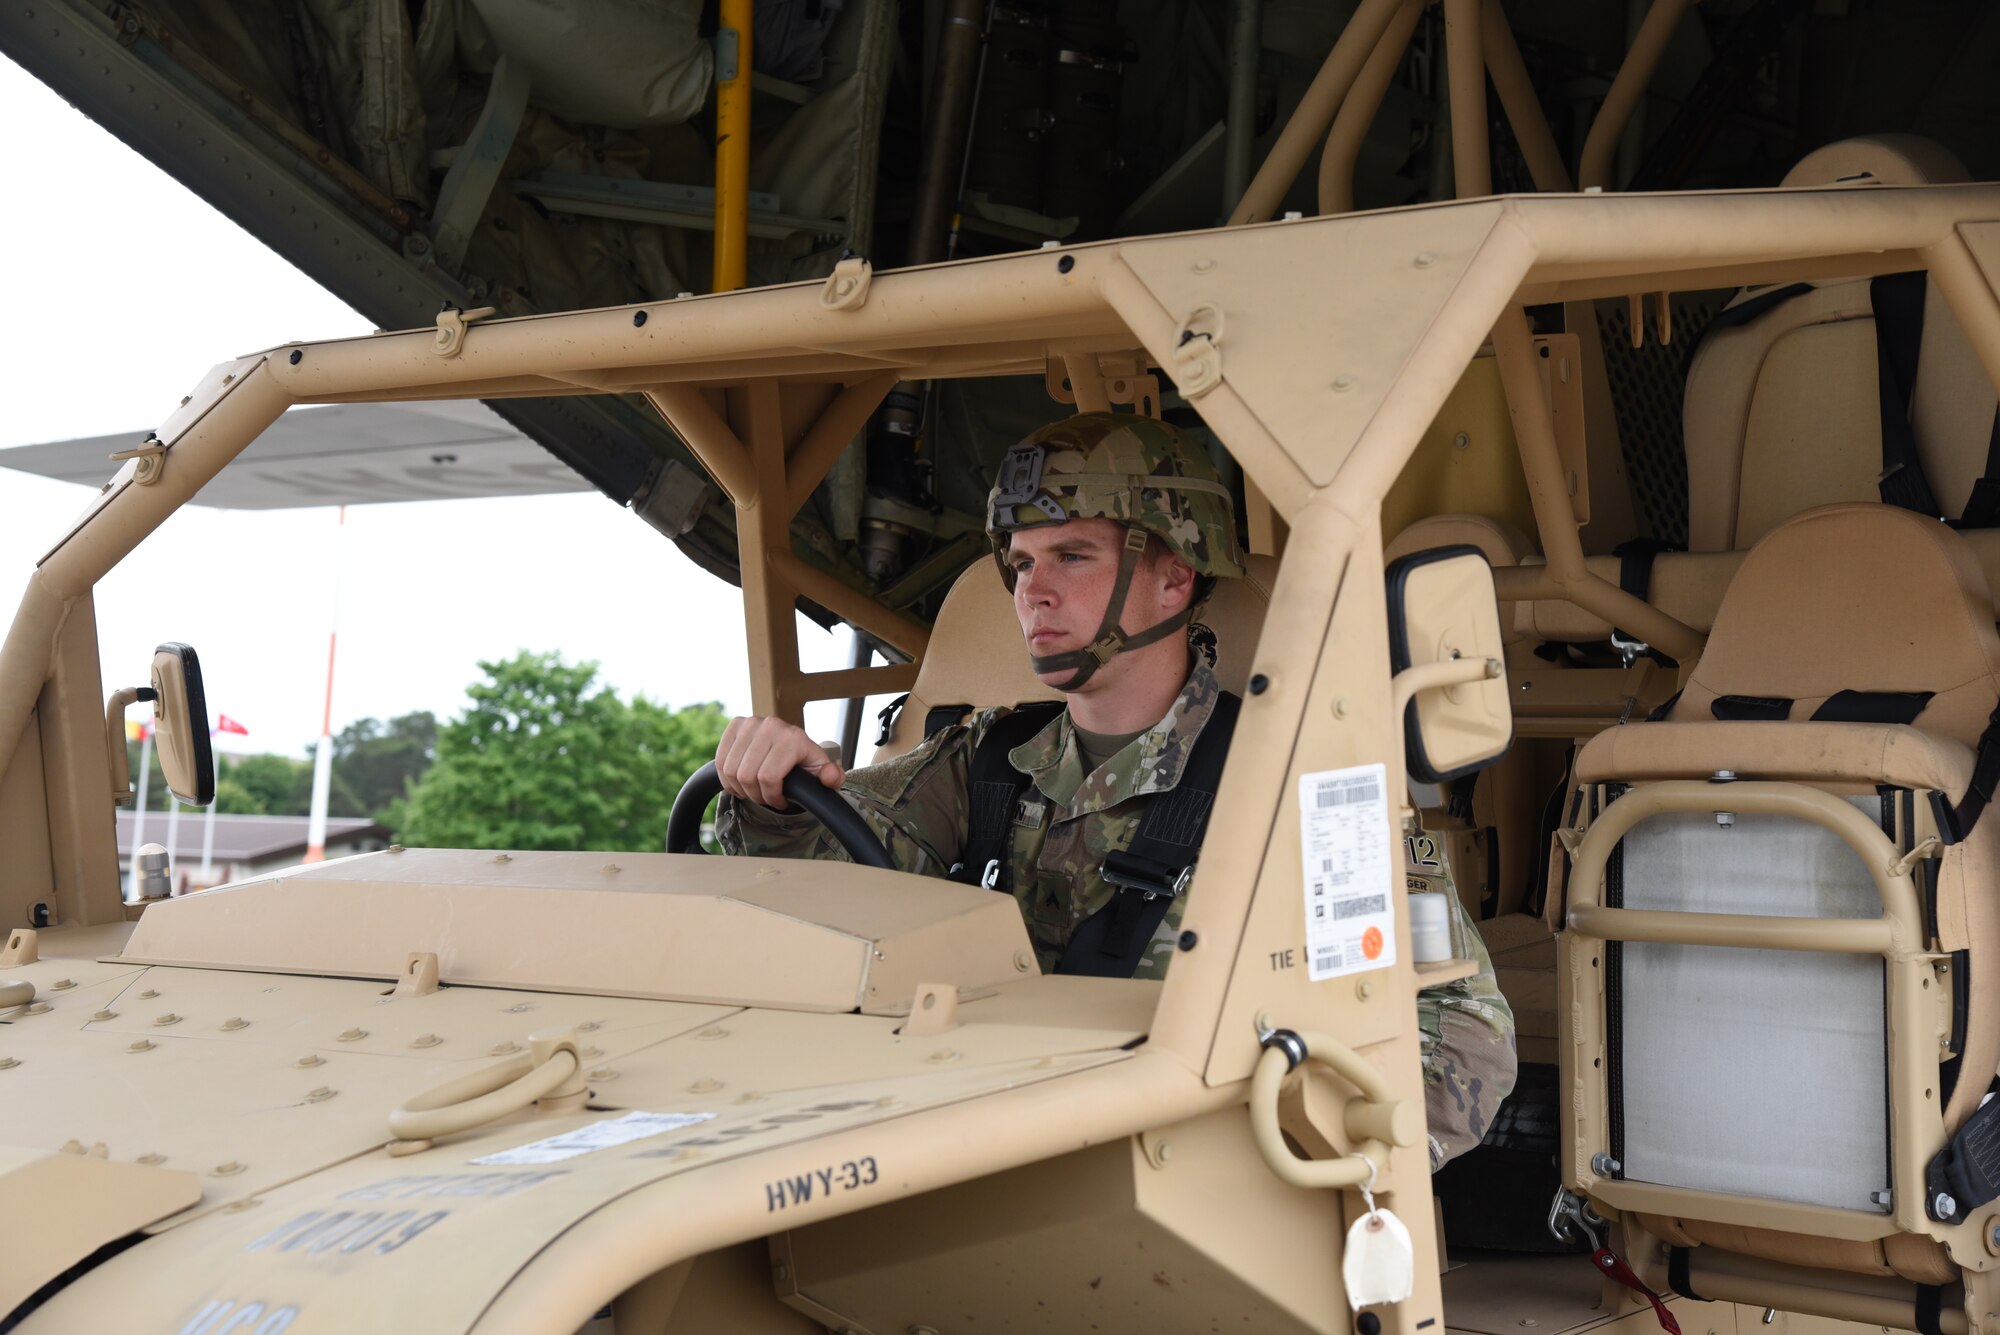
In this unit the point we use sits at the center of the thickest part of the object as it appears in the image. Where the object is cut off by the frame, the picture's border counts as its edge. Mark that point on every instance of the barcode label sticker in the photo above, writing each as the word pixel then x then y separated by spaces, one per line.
pixel 600 1135
pixel 1349 865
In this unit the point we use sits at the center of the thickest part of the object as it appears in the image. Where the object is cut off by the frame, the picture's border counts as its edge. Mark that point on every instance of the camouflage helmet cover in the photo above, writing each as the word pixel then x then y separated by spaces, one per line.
pixel 1135 470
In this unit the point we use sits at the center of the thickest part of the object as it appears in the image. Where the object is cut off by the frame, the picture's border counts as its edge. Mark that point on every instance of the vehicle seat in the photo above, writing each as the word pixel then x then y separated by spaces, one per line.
pixel 1781 411
pixel 977 660
pixel 1735 1078
pixel 1502 543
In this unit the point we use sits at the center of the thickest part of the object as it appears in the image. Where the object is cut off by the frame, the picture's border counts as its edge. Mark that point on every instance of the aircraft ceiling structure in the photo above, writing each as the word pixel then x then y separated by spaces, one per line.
pixel 531 158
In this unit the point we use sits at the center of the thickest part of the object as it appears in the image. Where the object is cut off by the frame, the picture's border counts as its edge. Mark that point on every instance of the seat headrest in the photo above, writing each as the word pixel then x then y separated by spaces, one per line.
pixel 977 658
pixel 1503 544
pixel 1781 411
pixel 1856 597
pixel 1892 159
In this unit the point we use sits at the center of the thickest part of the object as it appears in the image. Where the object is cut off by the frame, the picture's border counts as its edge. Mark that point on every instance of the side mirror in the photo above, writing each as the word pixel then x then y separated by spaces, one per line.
pixel 180 725
pixel 1450 683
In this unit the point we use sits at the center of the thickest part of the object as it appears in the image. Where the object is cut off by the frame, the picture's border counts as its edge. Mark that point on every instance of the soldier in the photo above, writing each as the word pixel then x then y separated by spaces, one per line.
pixel 1090 813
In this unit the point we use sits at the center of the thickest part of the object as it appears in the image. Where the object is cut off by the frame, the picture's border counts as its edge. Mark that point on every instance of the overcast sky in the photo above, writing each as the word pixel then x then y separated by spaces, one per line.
pixel 123 289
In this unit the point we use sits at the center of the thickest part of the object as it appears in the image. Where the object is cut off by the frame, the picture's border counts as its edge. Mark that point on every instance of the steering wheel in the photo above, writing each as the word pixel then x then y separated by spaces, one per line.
pixel 840 819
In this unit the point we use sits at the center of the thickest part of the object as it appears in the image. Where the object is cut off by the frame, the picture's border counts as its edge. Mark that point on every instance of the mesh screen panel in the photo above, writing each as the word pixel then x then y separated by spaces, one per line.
pixel 1646 384
pixel 1751 1072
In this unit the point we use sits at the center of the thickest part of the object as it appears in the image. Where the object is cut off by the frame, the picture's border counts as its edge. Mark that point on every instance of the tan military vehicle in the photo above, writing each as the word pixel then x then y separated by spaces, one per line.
pixel 1725 845
pixel 443 1090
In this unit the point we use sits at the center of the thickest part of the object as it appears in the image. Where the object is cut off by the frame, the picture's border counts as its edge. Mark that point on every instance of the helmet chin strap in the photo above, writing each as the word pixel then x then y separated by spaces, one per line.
pixel 1110 640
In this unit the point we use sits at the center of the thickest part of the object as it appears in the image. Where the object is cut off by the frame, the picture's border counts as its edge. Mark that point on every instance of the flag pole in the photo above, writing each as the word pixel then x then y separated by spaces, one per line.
pixel 139 811
pixel 223 723
pixel 323 757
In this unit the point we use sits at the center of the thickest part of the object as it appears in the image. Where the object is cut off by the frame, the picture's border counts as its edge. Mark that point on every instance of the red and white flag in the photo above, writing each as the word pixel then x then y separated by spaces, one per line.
pixel 224 723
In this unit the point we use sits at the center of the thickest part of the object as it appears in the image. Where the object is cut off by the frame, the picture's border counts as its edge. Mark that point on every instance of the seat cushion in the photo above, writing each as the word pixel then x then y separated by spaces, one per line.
pixel 1862 597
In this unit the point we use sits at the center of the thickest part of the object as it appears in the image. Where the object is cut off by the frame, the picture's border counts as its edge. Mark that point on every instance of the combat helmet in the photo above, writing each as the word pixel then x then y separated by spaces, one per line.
pixel 1138 472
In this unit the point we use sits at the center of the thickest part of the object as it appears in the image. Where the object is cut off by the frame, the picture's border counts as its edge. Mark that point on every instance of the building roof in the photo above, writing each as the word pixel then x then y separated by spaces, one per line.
pixel 241 838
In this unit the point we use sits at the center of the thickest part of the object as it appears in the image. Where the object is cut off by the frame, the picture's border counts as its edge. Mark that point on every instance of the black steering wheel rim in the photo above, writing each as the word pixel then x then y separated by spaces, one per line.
pixel 818 800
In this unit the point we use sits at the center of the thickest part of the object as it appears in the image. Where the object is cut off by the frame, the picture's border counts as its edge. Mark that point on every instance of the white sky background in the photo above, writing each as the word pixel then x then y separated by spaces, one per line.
pixel 123 288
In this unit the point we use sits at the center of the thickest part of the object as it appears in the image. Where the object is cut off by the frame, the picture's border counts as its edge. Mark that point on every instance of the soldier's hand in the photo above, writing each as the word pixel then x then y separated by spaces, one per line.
pixel 756 754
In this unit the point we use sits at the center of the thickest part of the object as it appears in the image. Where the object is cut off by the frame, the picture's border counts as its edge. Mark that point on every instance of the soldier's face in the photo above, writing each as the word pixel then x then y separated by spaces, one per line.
pixel 1063 578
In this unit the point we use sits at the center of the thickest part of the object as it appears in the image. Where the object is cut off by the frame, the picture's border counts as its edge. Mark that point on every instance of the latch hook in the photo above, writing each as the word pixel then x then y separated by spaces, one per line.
pixel 152 457
pixel 1197 352
pixel 451 323
pixel 847 286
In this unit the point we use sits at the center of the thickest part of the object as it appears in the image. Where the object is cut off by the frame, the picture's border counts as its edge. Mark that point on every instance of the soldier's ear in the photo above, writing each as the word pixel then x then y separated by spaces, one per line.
pixel 1177 581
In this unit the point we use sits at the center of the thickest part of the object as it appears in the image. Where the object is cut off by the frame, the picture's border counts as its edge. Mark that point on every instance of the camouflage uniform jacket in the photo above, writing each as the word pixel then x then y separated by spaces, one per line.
pixel 1067 821
pixel 1467 1026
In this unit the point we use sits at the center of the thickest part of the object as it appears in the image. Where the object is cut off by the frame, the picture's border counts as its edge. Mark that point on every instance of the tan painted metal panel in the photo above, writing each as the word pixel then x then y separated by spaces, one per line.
pixel 425 1242
pixel 63 1207
pixel 82 828
pixel 736 1055
pixel 24 828
pixel 1117 1237
pixel 258 1067
pixel 1353 313
pixel 801 935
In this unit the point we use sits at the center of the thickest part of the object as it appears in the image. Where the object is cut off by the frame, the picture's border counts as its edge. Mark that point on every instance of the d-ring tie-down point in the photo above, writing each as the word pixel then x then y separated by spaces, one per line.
pixel 1373 1122
pixel 549 1071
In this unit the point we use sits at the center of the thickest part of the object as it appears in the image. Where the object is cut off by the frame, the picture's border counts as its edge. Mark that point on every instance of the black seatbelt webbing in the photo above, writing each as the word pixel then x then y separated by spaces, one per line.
pixel 1751 708
pixel 994 787
pixel 1677 1274
pixel 1150 874
pixel 1929 1312
pixel 1635 576
pixel 1900 707
pixel 1898 301
pixel 887 716
pixel 939 717
pixel 1743 312
pixel 1982 507
pixel 1154 869
pixel 1955 822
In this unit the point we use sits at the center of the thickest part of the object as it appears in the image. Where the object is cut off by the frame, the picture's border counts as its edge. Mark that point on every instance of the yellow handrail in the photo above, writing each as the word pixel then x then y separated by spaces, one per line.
pixel 732 144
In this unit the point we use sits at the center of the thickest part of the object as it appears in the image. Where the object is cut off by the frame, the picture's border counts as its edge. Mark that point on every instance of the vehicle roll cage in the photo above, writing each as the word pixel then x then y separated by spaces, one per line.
pixel 1318 351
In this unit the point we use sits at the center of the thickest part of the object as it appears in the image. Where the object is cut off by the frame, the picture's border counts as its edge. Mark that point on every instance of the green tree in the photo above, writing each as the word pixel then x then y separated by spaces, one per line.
pixel 377 762
pixel 260 785
pixel 540 759
pixel 272 783
pixel 233 799
pixel 262 791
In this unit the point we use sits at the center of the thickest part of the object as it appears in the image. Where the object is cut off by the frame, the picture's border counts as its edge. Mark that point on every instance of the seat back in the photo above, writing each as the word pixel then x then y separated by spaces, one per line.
pixel 1861 597
pixel 1736 1075
pixel 1501 543
pixel 977 659
pixel 1781 413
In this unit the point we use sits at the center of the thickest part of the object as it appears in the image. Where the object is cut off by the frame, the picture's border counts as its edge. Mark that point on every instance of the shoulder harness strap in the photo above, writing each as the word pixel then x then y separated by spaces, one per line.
pixel 1155 869
pixel 1898 301
pixel 993 788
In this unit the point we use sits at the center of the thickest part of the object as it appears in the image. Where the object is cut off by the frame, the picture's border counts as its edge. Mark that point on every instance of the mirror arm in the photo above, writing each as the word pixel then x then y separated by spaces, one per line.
pixel 114 738
pixel 1406 685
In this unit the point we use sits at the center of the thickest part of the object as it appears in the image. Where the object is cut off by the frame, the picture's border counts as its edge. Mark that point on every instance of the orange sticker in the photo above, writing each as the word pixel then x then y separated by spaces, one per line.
pixel 1371 943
